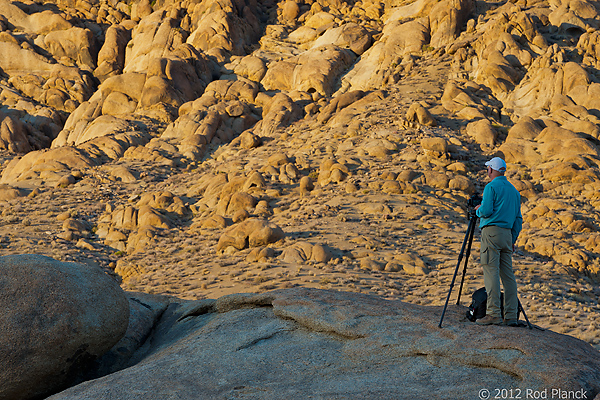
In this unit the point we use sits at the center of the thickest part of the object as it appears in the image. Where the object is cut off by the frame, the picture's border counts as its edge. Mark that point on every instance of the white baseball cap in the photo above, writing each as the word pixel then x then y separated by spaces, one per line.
pixel 497 164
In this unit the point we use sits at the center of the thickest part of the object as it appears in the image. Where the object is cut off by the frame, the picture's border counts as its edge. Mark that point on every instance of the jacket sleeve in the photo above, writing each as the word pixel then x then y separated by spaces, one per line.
pixel 517 225
pixel 487 204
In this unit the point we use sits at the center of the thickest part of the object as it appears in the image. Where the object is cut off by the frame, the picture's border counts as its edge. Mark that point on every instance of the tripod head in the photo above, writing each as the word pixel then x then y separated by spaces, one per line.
pixel 473 202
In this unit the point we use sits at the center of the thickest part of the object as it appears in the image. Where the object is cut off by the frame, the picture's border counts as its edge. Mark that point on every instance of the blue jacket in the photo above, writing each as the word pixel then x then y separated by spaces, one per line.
pixel 501 206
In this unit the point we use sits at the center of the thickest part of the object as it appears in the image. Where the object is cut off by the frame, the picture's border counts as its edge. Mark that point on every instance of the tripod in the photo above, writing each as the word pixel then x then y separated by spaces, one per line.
pixel 467 242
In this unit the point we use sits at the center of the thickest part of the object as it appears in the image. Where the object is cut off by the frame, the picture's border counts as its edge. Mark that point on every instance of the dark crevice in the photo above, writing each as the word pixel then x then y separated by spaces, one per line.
pixel 261 339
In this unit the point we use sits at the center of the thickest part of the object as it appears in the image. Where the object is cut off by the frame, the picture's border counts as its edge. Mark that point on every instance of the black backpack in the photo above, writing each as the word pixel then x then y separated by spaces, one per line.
pixel 478 306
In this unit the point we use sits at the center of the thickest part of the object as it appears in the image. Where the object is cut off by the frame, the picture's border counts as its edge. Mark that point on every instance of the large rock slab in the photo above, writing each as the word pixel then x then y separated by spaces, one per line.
pixel 56 318
pixel 380 63
pixel 155 36
pixel 37 22
pixel 301 343
pixel 315 70
pixel 111 57
pixel 58 86
pixel 253 232
pixel 350 36
pixel 45 164
pixel 224 26
pixel 76 44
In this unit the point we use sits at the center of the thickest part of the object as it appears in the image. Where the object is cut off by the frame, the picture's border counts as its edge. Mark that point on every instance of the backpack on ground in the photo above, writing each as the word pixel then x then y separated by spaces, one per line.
pixel 478 306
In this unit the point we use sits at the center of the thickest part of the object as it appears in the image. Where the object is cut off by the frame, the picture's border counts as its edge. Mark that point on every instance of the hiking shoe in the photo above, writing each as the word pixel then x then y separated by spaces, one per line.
pixel 511 322
pixel 489 320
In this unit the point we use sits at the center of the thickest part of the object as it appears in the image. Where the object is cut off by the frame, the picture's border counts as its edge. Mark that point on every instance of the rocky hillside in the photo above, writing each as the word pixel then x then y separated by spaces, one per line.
pixel 201 148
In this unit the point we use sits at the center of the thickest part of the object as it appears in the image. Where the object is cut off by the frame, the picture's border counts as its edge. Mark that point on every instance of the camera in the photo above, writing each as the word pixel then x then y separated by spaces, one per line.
pixel 473 202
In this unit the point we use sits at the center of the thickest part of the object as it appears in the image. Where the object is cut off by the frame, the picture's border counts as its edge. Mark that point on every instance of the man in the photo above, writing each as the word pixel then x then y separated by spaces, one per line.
pixel 500 223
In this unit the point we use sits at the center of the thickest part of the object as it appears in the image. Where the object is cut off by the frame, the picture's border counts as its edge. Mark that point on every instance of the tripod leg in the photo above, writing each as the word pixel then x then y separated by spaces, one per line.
pixel 460 256
pixel 470 242
pixel 524 315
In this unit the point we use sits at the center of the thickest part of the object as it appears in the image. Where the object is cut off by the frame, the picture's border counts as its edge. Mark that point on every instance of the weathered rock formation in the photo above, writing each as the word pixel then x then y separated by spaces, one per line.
pixel 56 319
pixel 300 342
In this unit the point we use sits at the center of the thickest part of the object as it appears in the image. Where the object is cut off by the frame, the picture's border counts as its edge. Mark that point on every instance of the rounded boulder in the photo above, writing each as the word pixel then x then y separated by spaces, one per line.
pixel 56 318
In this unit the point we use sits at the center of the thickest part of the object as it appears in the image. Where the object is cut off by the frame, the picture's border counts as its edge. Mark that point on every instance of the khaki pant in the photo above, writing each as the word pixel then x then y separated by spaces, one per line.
pixel 496 260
